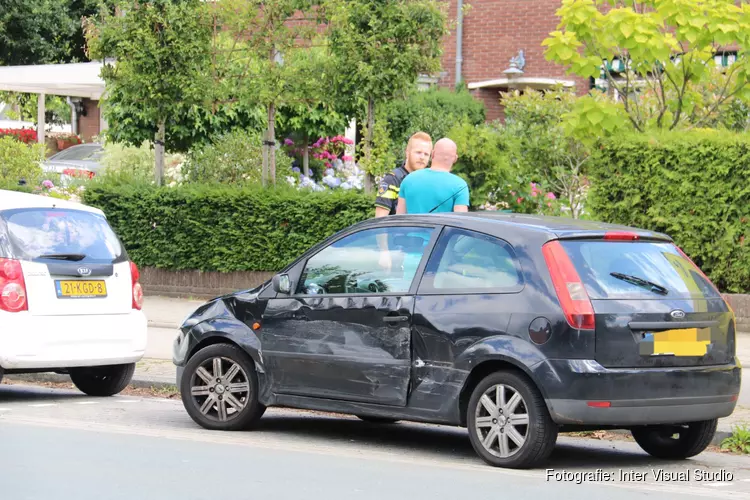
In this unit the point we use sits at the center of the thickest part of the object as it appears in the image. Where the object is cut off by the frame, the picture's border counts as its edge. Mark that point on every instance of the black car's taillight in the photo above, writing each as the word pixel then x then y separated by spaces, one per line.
pixel 571 292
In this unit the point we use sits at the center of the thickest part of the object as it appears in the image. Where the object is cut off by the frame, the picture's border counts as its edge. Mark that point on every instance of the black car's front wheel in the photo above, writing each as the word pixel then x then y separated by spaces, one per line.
pixel 219 389
pixel 675 442
pixel 508 422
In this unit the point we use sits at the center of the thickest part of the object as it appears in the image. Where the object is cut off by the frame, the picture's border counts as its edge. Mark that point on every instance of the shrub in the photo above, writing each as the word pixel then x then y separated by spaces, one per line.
pixel 482 160
pixel 694 186
pixel 540 148
pixel 20 161
pixel 234 158
pixel 125 164
pixel 224 228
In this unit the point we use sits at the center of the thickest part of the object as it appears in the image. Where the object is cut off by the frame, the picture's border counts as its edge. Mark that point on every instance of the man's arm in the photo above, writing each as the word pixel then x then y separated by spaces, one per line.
pixel 462 200
pixel 381 211
pixel 401 207
pixel 387 196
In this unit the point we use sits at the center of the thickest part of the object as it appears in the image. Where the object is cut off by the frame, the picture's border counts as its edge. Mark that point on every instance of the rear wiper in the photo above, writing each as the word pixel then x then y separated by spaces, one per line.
pixel 635 280
pixel 75 257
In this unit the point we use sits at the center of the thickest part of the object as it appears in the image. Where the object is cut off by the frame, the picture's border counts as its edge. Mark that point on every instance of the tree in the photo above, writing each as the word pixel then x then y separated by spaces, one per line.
pixel 657 56
pixel 161 50
pixel 434 111
pixel 267 58
pixel 42 31
pixel 320 115
pixel 381 48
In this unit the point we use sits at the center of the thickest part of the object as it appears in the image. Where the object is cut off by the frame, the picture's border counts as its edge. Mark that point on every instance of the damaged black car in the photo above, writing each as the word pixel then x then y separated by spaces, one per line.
pixel 515 327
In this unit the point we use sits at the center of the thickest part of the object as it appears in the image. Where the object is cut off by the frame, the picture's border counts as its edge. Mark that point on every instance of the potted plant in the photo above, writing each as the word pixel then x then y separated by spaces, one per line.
pixel 65 141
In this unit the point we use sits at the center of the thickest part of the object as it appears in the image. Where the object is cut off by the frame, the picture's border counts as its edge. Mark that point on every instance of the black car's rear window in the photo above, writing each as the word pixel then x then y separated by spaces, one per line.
pixel 34 233
pixel 606 269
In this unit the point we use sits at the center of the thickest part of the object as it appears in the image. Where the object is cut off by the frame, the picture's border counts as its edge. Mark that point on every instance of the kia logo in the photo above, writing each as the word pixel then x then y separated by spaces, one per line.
pixel 677 314
pixel 84 271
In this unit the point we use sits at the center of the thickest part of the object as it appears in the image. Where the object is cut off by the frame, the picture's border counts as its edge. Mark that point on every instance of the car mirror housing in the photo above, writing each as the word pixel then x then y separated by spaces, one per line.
pixel 281 283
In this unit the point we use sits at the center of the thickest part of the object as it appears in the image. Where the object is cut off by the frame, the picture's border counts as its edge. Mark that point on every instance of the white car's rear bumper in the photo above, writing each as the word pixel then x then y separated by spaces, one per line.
pixel 48 342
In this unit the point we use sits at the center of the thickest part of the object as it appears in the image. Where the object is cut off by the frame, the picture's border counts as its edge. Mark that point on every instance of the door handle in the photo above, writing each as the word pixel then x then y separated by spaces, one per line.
pixel 395 319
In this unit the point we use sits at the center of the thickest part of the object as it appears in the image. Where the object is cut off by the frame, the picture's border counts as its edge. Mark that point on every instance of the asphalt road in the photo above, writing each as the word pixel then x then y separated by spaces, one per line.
pixel 62 444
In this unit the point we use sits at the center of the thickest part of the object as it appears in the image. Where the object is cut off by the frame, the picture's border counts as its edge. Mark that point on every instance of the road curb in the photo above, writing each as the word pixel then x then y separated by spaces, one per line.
pixel 163 324
pixel 136 383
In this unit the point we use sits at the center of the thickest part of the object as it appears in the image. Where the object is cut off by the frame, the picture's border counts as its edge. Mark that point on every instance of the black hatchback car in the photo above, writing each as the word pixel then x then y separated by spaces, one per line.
pixel 516 327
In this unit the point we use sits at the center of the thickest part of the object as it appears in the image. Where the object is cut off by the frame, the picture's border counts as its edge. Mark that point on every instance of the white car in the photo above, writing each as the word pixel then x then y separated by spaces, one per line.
pixel 70 300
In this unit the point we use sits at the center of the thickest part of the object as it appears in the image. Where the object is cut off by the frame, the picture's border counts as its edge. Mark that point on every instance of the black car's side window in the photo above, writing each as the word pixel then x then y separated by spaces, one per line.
pixel 466 261
pixel 381 260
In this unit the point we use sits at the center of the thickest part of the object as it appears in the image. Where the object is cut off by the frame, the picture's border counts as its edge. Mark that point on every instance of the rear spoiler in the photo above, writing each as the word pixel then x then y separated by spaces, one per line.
pixel 615 235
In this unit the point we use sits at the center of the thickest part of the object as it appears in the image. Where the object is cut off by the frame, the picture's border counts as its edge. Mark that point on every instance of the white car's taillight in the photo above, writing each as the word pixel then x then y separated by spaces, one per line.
pixel 12 286
pixel 137 288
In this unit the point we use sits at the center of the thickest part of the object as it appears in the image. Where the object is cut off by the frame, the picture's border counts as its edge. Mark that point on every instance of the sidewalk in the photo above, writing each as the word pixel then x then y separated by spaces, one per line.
pixel 166 314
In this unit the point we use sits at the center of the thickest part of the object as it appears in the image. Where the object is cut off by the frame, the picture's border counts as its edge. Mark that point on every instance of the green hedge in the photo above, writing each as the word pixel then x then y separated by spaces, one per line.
pixel 694 186
pixel 224 228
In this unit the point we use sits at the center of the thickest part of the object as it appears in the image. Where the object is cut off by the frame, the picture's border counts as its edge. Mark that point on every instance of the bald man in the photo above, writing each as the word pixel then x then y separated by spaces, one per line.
pixel 435 189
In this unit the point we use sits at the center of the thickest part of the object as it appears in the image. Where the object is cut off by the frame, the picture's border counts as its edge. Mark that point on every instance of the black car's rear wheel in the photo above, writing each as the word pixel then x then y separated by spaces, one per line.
pixel 675 442
pixel 219 389
pixel 509 424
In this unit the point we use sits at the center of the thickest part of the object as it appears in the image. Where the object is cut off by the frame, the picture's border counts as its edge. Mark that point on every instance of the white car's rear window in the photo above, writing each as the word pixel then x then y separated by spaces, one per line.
pixel 62 234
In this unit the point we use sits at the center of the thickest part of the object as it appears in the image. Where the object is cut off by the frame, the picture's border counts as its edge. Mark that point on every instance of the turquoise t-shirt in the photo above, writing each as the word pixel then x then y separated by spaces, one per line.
pixel 426 189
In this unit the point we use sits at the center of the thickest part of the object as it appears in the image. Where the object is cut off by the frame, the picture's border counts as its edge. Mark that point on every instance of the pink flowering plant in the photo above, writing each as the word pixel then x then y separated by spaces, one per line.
pixel 329 163
pixel 525 197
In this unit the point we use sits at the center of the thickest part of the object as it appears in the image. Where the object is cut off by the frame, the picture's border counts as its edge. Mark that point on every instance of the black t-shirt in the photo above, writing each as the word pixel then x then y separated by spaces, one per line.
pixel 389 188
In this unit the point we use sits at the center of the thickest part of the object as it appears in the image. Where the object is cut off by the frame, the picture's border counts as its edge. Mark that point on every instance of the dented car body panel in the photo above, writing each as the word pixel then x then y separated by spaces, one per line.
pixel 414 352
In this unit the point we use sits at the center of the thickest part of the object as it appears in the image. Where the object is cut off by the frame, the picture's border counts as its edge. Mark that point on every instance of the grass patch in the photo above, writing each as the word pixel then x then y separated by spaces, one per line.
pixel 739 441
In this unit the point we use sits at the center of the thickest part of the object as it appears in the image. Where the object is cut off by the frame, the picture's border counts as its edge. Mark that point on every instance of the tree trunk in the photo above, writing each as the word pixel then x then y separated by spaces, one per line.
pixel 264 148
pixel 272 142
pixel 369 181
pixel 306 155
pixel 159 153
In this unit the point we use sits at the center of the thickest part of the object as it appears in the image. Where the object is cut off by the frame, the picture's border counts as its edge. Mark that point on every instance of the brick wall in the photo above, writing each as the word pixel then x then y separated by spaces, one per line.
pixel 741 305
pixel 88 126
pixel 198 284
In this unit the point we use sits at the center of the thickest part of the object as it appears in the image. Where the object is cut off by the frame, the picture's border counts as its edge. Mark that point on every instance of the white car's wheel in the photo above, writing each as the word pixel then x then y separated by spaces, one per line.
pixel 102 380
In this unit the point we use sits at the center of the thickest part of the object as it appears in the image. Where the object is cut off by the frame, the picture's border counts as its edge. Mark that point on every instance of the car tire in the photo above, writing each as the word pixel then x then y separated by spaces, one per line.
pixel 377 420
pixel 215 403
pixel 524 417
pixel 102 381
pixel 675 442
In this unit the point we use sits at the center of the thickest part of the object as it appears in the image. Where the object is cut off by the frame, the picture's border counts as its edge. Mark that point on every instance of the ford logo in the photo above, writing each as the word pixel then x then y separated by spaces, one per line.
pixel 84 271
pixel 677 314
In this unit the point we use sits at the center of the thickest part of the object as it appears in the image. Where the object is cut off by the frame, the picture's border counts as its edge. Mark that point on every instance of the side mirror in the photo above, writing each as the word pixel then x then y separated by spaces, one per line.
pixel 281 283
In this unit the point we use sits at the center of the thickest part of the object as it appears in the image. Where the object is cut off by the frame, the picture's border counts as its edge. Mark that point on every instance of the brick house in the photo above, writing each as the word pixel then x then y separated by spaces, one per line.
pixel 493 32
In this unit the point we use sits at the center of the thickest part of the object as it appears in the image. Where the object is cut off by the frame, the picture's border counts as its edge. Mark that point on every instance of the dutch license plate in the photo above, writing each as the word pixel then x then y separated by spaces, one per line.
pixel 74 289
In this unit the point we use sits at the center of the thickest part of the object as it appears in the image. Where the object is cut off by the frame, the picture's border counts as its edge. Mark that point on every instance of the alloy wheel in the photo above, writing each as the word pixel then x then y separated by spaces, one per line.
pixel 220 388
pixel 502 420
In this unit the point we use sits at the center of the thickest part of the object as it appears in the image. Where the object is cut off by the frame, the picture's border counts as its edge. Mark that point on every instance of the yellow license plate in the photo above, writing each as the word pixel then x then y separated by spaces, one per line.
pixel 75 289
